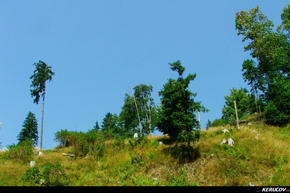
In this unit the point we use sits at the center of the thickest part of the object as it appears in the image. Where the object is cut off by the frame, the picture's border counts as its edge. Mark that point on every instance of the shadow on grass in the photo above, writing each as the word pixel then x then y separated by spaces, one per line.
pixel 183 153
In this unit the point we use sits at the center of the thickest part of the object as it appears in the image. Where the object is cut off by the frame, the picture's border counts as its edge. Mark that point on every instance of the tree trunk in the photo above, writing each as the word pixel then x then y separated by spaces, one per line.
pixel 42 121
pixel 237 117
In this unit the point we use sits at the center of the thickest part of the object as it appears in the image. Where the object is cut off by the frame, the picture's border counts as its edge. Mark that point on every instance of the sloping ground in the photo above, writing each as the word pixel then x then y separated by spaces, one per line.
pixel 260 156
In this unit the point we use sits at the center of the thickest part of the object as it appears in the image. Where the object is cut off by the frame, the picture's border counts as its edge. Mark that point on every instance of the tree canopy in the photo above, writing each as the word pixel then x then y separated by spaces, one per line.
pixel 245 104
pixel 29 130
pixel 178 108
pixel 42 73
pixel 268 71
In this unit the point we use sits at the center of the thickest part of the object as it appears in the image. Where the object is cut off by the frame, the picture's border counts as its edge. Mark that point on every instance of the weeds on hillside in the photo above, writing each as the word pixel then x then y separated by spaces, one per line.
pixel 50 174
pixel 22 152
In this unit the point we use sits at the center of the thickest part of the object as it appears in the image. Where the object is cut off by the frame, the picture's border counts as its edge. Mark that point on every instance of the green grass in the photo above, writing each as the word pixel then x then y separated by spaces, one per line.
pixel 260 156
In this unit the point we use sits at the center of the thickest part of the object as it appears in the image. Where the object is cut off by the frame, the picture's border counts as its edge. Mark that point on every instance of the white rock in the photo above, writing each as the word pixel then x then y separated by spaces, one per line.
pixel 32 164
pixel 40 153
pixel 42 181
pixel 155 179
pixel 224 141
pixel 250 184
pixel 225 131
pixel 70 155
pixel 160 143
pixel 135 135
pixel 228 141
pixel 231 142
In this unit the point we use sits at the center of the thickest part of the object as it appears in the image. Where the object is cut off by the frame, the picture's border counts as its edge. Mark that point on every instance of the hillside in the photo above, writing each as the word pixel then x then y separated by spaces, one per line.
pixel 260 156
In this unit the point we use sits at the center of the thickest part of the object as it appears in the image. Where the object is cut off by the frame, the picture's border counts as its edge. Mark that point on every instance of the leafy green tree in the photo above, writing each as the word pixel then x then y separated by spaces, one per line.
pixel 41 75
pixel 111 125
pixel 177 112
pixel 269 69
pixel 62 137
pixel 245 105
pixel 128 116
pixel 139 111
pixel 285 17
pixel 29 130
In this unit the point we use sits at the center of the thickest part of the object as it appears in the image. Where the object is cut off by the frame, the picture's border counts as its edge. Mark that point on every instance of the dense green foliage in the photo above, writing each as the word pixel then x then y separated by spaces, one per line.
pixel 177 112
pixel 111 125
pixel 41 75
pixel 245 105
pixel 29 130
pixel 218 122
pixel 138 112
pixel 22 152
pixel 285 17
pixel 62 137
pixel 83 143
pixel 268 72
pixel 50 174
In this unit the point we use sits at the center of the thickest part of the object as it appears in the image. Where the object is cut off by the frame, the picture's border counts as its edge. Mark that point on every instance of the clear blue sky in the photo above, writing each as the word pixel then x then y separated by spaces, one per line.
pixel 101 49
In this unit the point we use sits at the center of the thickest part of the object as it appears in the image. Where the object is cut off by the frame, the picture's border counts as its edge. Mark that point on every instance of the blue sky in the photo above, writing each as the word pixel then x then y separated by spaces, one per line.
pixel 101 49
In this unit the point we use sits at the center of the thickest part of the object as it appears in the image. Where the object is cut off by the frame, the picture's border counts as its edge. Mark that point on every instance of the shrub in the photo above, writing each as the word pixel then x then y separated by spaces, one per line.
pixel 62 137
pixel 97 151
pixel 275 116
pixel 218 122
pixel 50 174
pixel 82 143
pixel 53 175
pixel 32 175
pixel 22 152
pixel 119 143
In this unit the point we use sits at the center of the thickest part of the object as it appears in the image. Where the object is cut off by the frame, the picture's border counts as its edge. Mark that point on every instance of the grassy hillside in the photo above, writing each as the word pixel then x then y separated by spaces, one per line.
pixel 260 156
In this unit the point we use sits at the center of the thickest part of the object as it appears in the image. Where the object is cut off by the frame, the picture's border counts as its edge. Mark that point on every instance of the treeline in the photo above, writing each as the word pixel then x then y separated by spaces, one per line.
pixel 266 72
pixel 139 116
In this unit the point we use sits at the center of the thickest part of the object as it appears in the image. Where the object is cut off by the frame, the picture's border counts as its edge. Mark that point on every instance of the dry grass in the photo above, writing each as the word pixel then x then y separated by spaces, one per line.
pixel 260 156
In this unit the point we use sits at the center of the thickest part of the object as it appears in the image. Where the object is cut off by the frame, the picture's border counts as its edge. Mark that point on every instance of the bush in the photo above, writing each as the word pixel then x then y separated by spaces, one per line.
pixel 50 174
pixel 119 143
pixel 218 122
pixel 82 143
pixel 62 137
pixel 32 175
pixel 97 151
pixel 274 116
pixel 22 152
pixel 188 136
pixel 53 175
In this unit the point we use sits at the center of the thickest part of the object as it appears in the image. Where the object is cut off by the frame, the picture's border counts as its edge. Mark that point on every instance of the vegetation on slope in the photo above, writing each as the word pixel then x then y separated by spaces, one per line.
pixel 260 156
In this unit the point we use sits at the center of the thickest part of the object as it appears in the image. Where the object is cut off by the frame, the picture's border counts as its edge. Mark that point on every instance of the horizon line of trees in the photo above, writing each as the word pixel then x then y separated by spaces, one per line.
pixel 266 72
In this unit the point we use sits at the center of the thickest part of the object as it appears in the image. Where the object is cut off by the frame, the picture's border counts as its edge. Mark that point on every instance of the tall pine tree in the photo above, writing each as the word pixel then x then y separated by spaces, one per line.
pixel 29 130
